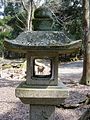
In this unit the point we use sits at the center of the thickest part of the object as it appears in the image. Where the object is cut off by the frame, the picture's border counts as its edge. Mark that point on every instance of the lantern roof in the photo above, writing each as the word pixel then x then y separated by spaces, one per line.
pixel 42 40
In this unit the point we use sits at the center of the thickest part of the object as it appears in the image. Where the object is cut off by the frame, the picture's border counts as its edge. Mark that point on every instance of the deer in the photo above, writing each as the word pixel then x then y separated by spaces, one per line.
pixel 40 69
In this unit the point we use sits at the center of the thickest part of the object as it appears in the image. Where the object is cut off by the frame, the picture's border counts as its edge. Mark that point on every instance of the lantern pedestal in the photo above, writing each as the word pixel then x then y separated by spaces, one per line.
pixel 42 99
pixel 42 112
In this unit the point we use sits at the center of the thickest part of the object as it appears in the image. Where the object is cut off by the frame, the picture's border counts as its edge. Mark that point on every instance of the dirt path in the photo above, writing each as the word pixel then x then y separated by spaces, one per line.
pixel 11 108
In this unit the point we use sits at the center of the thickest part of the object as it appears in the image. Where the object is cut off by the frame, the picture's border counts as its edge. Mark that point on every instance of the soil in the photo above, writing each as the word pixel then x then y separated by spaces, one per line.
pixel 70 73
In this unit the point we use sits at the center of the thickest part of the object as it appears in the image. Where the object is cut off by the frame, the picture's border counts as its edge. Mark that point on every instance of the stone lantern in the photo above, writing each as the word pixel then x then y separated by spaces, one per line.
pixel 41 90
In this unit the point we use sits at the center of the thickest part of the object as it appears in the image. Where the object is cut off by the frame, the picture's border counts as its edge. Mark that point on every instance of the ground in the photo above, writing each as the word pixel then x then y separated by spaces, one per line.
pixel 11 108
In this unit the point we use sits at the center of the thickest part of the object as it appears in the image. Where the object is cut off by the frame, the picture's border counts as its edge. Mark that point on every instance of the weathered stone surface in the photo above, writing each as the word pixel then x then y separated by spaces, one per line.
pixel 42 112
pixel 44 24
pixel 42 40
pixel 45 20
pixel 43 12
pixel 50 95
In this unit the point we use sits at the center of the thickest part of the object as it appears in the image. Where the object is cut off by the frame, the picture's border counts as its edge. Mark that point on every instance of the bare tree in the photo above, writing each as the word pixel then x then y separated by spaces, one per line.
pixel 86 43
pixel 28 7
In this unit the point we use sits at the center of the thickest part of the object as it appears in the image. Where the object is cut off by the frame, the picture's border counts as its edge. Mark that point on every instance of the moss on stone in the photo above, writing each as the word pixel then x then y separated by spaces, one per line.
pixel 42 12
pixel 42 24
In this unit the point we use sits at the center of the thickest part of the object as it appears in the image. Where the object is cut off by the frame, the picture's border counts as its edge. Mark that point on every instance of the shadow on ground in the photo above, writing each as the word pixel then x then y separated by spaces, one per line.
pixel 8 83
pixel 19 111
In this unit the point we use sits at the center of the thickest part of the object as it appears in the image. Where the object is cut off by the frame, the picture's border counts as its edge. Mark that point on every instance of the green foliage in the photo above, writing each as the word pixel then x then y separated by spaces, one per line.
pixel 72 17
pixel 4 31
pixel 9 10
pixel 1 45
pixel 1 22
pixel 74 29
pixel 69 14
pixel 12 9
pixel 73 20
pixel 17 19
pixel 13 23
pixel 18 24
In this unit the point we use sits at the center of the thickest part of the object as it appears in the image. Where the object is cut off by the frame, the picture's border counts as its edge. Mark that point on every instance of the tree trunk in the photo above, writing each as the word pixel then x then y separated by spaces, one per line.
pixel 29 21
pixel 86 44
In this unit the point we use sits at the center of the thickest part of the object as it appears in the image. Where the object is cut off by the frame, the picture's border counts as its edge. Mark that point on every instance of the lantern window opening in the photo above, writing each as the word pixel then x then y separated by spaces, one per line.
pixel 44 69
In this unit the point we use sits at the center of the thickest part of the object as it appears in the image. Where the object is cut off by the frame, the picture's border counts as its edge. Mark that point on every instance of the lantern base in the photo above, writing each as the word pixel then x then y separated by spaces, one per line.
pixel 41 95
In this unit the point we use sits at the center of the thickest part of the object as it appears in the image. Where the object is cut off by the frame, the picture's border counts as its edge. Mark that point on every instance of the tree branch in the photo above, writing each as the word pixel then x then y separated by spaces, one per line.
pixel 19 27
pixel 20 20
pixel 23 16
pixel 34 4
pixel 22 2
